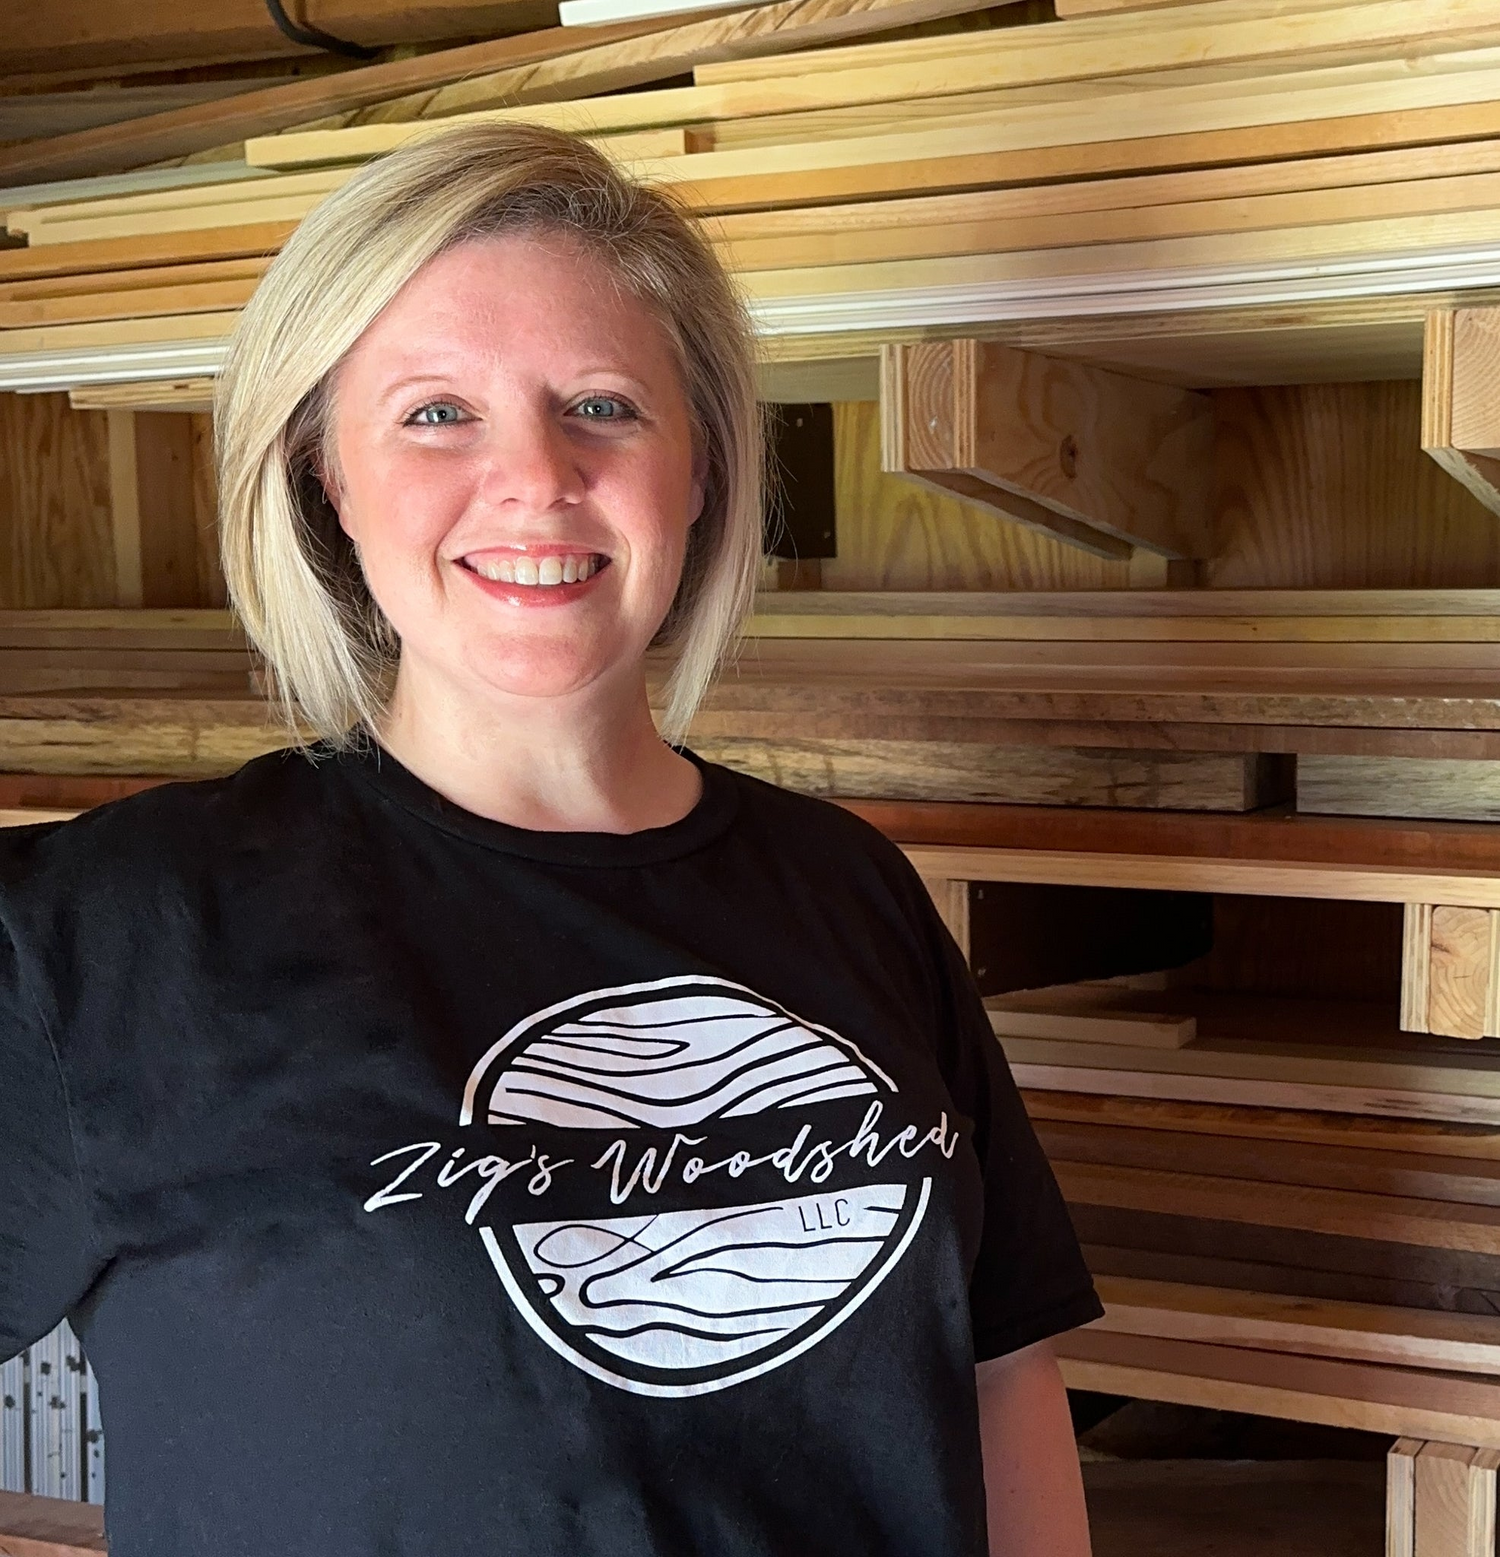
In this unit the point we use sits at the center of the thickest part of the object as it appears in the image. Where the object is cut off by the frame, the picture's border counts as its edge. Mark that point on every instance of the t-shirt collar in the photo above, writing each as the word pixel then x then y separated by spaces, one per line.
pixel 370 764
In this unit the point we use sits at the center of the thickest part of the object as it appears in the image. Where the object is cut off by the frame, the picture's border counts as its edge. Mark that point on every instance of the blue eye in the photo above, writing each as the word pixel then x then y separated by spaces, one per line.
pixel 605 408
pixel 439 413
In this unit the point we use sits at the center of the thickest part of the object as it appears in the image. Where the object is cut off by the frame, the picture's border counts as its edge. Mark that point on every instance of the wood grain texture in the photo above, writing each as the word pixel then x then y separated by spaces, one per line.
pixel 1433 1406
pixel 1400 1497
pixel 1451 1147
pixel 1378 786
pixel 1358 1332
pixel 180 131
pixel 48 1527
pixel 1324 486
pixel 1461 974
pixel 1454 1501
pixel 952 770
pixel 55 541
pixel 1115 454
pixel 893 534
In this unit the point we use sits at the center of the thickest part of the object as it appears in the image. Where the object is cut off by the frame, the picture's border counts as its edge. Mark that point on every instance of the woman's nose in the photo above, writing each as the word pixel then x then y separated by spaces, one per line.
pixel 534 464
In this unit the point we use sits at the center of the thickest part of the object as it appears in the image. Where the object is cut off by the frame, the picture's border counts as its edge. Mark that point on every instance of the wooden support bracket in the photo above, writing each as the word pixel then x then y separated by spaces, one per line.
pixel 1440 1500
pixel 1450 971
pixel 1461 398
pixel 1095 458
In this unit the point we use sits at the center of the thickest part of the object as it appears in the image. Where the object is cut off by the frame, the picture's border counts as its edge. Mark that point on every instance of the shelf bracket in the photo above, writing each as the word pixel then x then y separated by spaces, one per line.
pixel 1095 458
pixel 1461 398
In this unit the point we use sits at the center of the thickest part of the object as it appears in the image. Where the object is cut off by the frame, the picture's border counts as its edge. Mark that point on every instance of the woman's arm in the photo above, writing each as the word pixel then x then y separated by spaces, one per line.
pixel 1031 1478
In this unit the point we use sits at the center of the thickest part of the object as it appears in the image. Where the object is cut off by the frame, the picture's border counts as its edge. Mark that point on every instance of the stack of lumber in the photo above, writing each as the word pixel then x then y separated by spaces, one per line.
pixel 1333 1268
pixel 1347 701
pixel 1384 700
pixel 1189 157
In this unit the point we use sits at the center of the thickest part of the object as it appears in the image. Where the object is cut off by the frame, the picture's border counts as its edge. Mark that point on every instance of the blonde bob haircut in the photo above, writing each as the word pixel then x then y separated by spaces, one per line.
pixel 294 576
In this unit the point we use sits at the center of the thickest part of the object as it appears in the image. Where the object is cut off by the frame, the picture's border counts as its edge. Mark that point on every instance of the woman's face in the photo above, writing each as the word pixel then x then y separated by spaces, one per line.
pixel 515 461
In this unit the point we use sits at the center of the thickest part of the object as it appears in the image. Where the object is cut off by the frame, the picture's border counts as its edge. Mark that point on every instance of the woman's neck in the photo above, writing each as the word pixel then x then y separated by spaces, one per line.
pixel 588 763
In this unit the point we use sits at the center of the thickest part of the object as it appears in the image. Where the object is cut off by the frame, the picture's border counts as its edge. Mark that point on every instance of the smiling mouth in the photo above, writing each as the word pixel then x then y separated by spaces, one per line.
pixel 542 572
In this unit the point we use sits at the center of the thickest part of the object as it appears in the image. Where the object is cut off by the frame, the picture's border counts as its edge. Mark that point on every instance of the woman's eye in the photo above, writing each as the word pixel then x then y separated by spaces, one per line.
pixel 605 408
pixel 440 413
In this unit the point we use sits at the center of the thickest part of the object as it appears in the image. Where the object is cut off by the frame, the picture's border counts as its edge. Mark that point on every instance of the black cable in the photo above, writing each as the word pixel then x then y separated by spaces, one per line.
pixel 314 37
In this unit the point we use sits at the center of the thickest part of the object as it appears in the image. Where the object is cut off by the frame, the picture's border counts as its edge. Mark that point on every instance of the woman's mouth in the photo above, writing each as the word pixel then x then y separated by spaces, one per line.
pixel 538 570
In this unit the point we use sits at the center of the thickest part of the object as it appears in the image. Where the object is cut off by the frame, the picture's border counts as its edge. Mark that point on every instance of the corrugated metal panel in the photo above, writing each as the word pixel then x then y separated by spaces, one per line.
pixel 13 1378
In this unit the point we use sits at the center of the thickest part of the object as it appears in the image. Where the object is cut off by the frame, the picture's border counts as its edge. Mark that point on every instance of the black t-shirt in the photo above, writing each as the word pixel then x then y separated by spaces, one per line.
pixel 426 1187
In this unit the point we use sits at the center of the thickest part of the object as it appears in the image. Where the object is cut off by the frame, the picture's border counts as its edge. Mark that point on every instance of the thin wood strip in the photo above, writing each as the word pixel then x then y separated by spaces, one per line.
pixel 1357 1332
pixel 156 137
pixel 1426 1404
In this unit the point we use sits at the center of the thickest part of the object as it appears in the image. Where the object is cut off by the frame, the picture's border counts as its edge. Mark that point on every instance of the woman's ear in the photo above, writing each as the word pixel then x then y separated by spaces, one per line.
pixel 698 491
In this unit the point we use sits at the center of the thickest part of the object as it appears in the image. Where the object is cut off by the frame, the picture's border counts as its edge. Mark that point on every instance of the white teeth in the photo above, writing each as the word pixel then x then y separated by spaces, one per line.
pixel 541 572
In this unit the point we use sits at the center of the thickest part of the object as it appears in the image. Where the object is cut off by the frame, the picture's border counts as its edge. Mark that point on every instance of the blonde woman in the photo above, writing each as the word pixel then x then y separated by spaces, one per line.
pixel 489 1128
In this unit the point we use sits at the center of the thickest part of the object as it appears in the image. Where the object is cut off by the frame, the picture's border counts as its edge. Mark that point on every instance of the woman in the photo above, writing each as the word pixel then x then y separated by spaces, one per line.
pixel 504 1131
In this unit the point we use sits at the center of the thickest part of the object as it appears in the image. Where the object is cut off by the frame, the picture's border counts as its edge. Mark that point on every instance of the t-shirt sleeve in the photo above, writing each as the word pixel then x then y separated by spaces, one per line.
pixel 45 1259
pixel 1029 1279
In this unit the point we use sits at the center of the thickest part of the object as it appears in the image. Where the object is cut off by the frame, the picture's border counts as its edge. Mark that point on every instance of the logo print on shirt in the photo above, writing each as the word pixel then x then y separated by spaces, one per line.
pixel 686 1301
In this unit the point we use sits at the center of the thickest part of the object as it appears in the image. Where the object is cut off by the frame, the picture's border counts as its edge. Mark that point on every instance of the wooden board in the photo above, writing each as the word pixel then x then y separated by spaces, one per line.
pixel 1358 1332
pixel 49 1527
pixel 263 111
pixel 1103 1012
pixel 1379 786
pixel 1429 1405
pixel 55 544
pixel 952 770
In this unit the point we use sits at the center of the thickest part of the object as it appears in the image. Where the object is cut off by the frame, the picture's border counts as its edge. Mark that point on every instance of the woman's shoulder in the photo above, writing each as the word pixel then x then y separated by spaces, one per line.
pixel 826 834
pixel 175 829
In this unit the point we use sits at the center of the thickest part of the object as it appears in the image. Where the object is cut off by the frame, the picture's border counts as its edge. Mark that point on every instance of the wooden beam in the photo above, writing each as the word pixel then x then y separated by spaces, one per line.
pixel 1450 971
pixel 1430 1405
pixel 49 1527
pixel 1461 398
pixel 1453 1501
pixel 153 515
pixel 156 137
pixel 1047 438
pixel 1272 1322
pixel 769 29
pixel 71 34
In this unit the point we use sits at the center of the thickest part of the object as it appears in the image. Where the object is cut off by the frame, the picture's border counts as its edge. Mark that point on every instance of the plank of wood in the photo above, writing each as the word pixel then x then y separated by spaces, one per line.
pixel 1375 786
pixel 954 770
pixel 72 35
pixel 1100 30
pixel 1170 130
pixel 885 239
pixel 1016 1015
pixel 180 736
pixel 191 395
pixel 288 198
pixel 1269 1158
pixel 33 1526
pixel 1453 1500
pixel 586 13
pixel 150 302
pixel 1344 1213
pixel 1430 1405
pixel 1400 1497
pixel 1078 610
pixel 54 511
pixel 1358 1332
pixel 262 112
pixel 1183 873
pixel 769 29
pixel 257 240
pixel 1450 1149
pixel 1116 454
pixel 1460 363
